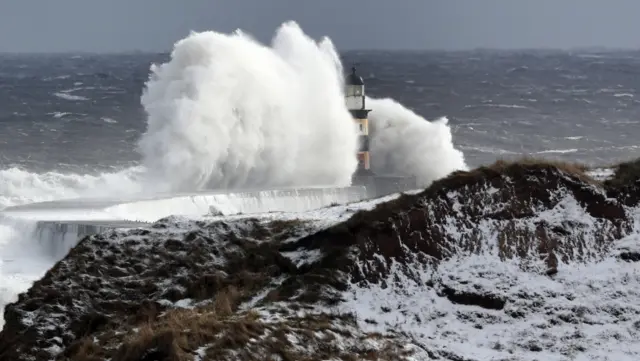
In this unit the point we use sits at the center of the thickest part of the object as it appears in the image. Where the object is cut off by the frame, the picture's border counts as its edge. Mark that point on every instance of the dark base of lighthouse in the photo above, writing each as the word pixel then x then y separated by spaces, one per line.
pixel 379 185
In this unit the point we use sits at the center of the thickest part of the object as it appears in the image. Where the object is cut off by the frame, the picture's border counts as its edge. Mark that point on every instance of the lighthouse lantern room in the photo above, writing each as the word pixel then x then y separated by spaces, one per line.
pixel 355 101
pixel 354 91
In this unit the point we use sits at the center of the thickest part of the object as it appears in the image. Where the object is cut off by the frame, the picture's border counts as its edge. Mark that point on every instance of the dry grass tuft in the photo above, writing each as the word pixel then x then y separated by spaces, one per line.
pixel 226 302
pixel 572 168
pixel 176 334
pixel 626 174
pixel 180 333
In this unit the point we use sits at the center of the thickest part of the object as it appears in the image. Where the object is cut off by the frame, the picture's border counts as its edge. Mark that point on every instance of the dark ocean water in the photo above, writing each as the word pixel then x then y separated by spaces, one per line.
pixel 83 113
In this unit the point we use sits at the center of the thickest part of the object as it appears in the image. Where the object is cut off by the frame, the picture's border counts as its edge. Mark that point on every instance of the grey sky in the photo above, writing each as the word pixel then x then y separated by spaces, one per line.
pixel 154 25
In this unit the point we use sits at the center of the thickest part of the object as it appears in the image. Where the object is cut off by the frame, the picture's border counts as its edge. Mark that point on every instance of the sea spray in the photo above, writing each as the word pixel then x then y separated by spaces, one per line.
pixel 22 260
pixel 227 112
pixel 404 143
pixel 305 134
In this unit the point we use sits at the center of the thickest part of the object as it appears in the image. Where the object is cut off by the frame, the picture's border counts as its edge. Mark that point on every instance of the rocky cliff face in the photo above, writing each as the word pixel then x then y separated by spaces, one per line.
pixel 511 262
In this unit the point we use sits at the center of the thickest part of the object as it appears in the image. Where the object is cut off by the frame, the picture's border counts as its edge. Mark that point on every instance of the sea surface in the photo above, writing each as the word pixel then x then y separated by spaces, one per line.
pixel 81 113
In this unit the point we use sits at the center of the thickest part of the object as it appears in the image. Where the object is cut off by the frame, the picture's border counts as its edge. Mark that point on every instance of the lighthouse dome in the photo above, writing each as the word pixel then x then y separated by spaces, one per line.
pixel 353 78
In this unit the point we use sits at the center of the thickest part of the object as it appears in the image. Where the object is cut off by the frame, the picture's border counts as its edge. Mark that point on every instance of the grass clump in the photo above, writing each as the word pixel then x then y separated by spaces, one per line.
pixel 626 173
pixel 576 169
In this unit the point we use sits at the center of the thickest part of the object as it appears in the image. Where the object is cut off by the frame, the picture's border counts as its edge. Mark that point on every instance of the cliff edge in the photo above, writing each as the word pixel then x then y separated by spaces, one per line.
pixel 514 261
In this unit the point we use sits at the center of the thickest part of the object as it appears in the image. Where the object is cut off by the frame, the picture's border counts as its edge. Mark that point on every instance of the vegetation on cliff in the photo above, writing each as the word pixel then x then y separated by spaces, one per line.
pixel 489 261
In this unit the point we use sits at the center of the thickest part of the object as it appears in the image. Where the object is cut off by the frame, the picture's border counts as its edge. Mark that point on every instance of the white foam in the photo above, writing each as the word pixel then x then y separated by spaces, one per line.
pixel 150 209
pixel 59 114
pixel 228 112
pixel 22 259
pixel 296 200
pixel 404 143
pixel 19 186
pixel 558 151
pixel 67 96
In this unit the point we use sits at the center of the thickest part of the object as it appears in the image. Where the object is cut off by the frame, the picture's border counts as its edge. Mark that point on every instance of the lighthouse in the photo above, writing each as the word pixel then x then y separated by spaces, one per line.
pixel 355 101
pixel 377 185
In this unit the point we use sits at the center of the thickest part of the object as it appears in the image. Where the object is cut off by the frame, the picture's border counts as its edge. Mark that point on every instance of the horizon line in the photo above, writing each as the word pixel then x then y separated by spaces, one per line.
pixel 349 50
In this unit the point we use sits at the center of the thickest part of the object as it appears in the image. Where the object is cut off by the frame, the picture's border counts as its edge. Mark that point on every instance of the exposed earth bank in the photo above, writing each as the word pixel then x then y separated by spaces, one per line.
pixel 515 261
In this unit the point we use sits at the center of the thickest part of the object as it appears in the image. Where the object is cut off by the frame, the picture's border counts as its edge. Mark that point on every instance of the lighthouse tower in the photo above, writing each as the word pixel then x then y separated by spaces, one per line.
pixel 355 100
pixel 376 184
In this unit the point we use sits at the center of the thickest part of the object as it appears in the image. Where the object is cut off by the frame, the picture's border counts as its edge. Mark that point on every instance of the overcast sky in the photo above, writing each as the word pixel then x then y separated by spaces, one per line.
pixel 154 25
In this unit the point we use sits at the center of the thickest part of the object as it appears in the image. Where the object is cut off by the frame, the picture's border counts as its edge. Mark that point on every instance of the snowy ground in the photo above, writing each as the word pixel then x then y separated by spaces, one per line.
pixel 601 173
pixel 589 310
